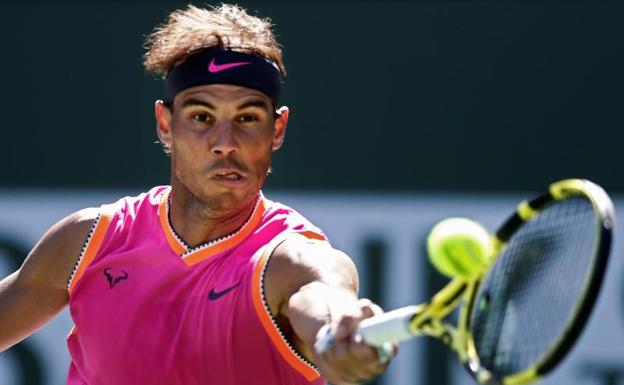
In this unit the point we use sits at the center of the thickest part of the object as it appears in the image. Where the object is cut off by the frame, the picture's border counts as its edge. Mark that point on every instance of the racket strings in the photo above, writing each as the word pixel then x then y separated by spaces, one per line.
pixel 531 292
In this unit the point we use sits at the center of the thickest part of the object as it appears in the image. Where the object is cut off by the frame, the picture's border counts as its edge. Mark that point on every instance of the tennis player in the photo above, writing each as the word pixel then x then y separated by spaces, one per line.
pixel 205 281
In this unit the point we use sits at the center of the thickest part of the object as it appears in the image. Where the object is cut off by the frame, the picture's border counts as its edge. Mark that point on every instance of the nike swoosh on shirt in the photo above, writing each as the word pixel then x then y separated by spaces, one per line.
pixel 214 67
pixel 218 294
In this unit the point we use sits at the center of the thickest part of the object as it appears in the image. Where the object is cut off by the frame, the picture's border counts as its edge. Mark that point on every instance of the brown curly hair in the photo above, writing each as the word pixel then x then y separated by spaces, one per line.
pixel 193 29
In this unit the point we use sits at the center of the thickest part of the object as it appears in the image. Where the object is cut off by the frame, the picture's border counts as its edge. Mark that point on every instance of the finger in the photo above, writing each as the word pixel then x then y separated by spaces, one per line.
pixel 385 353
pixel 350 359
pixel 361 351
pixel 365 301
pixel 372 360
pixel 395 349
pixel 368 311
pixel 377 310
pixel 365 359
pixel 356 358
pixel 369 308
pixel 345 365
pixel 345 327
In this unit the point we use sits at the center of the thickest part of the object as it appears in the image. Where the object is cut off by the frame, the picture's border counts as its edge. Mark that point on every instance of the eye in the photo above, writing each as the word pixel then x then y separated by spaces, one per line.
pixel 201 117
pixel 248 118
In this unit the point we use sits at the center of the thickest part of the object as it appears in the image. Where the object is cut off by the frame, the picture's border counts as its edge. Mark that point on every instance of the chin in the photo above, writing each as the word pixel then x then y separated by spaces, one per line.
pixel 228 199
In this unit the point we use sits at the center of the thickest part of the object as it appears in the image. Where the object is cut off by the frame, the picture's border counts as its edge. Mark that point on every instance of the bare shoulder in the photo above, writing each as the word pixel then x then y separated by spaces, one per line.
pixel 50 262
pixel 299 261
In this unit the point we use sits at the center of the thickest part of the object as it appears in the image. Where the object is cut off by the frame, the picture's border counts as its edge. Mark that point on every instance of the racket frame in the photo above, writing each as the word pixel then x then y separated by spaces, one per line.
pixel 526 211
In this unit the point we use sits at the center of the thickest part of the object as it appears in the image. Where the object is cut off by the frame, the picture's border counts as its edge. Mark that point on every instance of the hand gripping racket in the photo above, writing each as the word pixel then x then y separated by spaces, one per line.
pixel 521 316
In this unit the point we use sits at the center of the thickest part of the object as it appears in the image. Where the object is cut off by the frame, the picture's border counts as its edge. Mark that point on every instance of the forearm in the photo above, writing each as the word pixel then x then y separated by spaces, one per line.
pixel 38 290
pixel 321 289
pixel 23 310
pixel 349 360
pixel 316 305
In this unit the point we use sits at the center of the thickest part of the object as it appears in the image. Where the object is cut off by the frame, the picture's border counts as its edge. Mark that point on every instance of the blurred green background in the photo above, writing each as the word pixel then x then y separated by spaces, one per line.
pixel 401 96
pixel 386 96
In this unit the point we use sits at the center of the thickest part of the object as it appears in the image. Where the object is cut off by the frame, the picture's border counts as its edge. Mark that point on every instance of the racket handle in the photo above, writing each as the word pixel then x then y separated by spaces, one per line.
pixel 392 326
pixel 377 331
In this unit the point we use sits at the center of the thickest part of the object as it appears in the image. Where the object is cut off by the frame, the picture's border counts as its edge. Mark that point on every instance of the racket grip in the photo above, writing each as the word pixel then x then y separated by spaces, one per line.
pixel 377 331
pixel 392 326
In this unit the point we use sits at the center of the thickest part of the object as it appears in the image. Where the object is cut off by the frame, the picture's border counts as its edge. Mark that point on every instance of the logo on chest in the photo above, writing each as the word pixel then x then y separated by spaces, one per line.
pixel 114 276
pixel 213 295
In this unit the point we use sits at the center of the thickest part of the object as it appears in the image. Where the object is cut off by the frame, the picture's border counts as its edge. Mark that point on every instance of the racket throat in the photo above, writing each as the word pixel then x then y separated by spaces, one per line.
pixel 445 332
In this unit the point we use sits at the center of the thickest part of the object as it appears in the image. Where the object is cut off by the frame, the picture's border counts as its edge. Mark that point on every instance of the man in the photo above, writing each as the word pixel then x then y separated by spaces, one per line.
pixel 205 281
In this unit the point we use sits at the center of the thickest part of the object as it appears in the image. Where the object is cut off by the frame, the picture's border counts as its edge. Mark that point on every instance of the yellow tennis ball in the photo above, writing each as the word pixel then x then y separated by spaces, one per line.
pixel 459 247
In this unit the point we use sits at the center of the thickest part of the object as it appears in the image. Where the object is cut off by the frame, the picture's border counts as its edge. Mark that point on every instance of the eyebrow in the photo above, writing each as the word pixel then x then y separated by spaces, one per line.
pixel 255 103
pixel 196 102
pixel 259 103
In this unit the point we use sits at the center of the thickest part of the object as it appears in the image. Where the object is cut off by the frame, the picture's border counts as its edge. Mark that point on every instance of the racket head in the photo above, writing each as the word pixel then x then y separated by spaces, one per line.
pixel 524 314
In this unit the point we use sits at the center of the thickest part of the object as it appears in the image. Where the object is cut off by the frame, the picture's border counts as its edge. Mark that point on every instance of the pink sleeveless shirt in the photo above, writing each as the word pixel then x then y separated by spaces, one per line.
pixel 150 310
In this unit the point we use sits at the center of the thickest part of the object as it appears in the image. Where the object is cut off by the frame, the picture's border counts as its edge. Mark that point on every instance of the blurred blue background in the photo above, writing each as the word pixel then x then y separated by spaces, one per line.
pixel 403 113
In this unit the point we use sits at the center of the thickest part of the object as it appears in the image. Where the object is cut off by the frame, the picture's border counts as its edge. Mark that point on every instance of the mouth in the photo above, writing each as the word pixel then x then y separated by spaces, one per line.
pixel 228 175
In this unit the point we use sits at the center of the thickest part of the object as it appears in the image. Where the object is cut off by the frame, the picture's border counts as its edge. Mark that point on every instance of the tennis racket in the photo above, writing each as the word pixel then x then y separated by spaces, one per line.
pixel 518 319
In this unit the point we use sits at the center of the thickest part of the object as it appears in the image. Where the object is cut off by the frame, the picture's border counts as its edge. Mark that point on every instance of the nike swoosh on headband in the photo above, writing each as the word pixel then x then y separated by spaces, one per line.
pixel 214 67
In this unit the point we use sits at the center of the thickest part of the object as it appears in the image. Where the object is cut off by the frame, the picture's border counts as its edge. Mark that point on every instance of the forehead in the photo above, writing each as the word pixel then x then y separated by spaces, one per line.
pixel 222 94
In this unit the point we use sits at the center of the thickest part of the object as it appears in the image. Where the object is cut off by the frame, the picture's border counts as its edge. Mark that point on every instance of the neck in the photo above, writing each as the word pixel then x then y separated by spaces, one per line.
pixel 198 222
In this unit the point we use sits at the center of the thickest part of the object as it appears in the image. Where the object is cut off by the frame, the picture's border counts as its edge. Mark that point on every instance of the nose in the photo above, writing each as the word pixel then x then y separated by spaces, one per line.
pixel 223 141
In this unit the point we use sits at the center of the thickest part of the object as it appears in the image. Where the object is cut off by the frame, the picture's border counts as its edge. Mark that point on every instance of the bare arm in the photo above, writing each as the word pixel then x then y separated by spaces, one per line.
pixel 321 289
pixel 38 289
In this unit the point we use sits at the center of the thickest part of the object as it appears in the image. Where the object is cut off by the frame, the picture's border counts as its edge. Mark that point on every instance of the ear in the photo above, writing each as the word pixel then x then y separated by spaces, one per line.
pixel 163 123
pixel 281 121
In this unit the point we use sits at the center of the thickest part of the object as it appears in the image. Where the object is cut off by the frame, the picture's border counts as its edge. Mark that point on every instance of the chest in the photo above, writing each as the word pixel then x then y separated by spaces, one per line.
pixel 145 294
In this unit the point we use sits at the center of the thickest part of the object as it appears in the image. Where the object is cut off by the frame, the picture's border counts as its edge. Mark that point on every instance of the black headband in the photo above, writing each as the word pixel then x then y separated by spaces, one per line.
pixel 218 66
